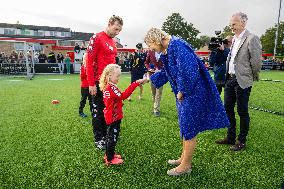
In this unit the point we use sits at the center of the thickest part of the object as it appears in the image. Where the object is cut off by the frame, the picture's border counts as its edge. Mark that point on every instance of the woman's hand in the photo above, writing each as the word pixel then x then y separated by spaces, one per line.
pixel 180 96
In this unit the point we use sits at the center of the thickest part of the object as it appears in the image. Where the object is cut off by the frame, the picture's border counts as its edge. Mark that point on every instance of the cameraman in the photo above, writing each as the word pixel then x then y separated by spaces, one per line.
pixel 217 60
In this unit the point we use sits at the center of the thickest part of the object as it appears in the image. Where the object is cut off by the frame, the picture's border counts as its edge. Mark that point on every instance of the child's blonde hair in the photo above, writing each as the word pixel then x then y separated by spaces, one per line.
pixel 109 69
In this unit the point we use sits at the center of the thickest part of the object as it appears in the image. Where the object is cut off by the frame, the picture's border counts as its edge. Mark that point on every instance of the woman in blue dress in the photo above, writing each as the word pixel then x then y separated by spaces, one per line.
pixel 199 106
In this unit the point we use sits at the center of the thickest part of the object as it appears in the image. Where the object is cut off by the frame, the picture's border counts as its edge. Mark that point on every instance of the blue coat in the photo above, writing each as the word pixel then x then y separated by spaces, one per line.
pixel 201 108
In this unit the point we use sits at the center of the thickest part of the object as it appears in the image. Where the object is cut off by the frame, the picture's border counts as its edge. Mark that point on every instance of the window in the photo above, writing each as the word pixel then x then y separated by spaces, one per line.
pixel 8 31
pixel 37 47
pixel 67 34
pixel 21 47
pixel 64 43
pixel 27 32
pixel 40 33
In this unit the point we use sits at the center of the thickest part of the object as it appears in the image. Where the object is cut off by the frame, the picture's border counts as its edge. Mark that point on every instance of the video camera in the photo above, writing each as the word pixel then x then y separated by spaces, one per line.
pixel 216 42
pixel 139 46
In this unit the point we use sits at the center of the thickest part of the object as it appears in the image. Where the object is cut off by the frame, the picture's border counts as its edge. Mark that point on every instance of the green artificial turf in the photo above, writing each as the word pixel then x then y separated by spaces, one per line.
pixel 49 146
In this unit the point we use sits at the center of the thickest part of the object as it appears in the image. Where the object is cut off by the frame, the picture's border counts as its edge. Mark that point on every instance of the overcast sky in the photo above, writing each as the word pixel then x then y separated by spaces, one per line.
pixel 139 15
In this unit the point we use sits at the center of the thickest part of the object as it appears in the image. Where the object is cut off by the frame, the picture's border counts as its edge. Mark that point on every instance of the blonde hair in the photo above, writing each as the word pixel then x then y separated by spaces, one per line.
pixel 155 35
pixel 104 79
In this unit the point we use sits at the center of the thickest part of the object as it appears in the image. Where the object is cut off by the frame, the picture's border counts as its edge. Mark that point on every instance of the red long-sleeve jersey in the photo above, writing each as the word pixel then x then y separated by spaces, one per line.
pixel 113 101
pixel 101 51
pixel 83 76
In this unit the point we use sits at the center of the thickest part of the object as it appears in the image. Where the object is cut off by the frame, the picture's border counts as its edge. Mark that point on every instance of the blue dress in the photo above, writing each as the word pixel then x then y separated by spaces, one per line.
pixel 201 108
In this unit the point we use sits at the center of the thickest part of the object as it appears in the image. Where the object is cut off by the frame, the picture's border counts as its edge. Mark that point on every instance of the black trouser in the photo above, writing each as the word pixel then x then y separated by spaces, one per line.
pixel 98 119
pixel 234 93
pixel 84 95
pixel 219 86
pixel 112 137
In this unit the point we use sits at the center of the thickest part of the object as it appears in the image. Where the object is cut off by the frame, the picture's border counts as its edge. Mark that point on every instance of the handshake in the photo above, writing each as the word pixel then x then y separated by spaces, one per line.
pixel 146 79
pixel 142 81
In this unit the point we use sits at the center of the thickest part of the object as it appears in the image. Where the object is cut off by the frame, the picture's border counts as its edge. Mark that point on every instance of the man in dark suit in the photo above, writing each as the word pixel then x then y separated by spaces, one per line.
pixel 242 68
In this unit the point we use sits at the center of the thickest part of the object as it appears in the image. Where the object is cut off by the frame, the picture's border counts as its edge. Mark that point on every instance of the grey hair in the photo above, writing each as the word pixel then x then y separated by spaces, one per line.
pixel 155 35
pixel 243 16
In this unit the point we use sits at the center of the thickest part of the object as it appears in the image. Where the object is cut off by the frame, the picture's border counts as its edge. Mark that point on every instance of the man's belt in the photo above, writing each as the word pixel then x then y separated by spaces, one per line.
pixel 231 76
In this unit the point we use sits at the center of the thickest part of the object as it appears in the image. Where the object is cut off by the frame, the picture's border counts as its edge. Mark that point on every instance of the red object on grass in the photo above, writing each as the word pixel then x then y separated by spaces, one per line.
pixel 55 102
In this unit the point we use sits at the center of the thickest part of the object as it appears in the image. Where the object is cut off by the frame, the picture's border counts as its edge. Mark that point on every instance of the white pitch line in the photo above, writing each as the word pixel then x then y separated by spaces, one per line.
pixel 55 79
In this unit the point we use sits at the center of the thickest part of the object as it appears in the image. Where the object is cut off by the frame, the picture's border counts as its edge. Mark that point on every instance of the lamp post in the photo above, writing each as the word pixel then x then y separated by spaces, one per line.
pixel 276 33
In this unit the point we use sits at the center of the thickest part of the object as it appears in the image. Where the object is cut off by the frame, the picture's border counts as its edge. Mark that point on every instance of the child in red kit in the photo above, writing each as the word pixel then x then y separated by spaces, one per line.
pixel 84 88
pixel 113 114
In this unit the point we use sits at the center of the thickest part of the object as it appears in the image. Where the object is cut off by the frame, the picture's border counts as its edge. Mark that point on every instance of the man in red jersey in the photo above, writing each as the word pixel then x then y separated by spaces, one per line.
pixel 101 52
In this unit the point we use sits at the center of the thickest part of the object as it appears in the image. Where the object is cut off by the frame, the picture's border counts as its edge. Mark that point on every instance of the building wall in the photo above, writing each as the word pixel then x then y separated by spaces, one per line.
pixel 7 47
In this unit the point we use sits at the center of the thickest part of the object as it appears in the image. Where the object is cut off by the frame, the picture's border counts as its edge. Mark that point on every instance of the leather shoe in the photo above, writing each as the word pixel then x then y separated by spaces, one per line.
pixel 238 147
pixel 225 141
pixel 173 172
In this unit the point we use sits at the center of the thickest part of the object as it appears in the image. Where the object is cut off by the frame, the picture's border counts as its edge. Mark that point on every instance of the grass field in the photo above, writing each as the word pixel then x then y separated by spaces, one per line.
pixel 49 146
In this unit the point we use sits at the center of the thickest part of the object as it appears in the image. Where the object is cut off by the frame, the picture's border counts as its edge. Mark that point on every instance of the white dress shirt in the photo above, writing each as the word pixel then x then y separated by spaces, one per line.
pixel 234 51
pixel 157 55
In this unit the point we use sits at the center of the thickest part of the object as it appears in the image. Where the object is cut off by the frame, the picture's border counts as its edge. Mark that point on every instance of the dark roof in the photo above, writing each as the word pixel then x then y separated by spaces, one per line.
pixel 32 27
pixel 74 36
pixel 81 36
pixel 33 37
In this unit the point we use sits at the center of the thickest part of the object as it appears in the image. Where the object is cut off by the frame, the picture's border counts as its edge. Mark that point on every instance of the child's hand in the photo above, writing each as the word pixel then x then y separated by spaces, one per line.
pixel 142 81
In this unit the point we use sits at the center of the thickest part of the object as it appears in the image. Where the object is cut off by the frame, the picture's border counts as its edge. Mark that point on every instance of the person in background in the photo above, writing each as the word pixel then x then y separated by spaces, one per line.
pixel 67 61
pixel 217 60
pixel 13 57
pixel 51 58
pixel 42 58
pixel 60 61
pixel 84 88
pixel 77 48
pixel 36 55
pixel 22 58
pixel 137 67
pixel 153 65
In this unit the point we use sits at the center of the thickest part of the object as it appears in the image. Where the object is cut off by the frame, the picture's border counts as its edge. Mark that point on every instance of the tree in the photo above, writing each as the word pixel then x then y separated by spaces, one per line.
pixel 204 40
pixel 268 39
pixel 176 25
pixel 226 32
